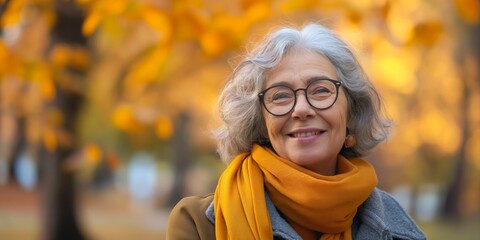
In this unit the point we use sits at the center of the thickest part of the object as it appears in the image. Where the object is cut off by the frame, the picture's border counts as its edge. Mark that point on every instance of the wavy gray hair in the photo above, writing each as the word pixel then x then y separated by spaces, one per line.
pixel 241 112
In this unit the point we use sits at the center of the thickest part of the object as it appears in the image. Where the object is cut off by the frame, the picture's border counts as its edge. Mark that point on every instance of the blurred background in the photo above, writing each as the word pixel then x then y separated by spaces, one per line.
pixel 107 106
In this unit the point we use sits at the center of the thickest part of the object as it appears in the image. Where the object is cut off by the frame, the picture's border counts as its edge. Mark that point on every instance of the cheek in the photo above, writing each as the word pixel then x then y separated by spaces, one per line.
pixel 341 125
pixel 339 117
pixel 273 125
pixel 343 118
pixel 343 109
pixel 270 125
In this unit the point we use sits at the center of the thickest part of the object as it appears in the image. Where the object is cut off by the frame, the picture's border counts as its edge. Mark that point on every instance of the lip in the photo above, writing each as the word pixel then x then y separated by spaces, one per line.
pixel 305 134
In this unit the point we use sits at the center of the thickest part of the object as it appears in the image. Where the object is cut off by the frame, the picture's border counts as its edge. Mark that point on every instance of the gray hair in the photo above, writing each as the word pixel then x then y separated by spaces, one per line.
pixel 241 112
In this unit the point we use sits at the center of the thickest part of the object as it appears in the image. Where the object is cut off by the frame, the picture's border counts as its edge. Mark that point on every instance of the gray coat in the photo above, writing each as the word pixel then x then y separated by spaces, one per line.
pixel 379 217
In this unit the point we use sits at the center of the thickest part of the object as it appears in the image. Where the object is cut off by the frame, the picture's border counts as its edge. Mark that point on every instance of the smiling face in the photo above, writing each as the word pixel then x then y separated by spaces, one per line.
pixel 307 136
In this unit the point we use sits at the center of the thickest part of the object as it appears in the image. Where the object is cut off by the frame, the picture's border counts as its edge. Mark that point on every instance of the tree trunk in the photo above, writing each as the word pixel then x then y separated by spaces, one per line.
pixel 468 50
pixel 181 159
pixel 59 192
pixel 19 145
pixel 455 189
pixel 59 189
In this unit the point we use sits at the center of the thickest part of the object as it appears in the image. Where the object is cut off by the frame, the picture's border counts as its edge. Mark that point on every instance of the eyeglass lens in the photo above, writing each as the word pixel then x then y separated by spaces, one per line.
pixel 280 100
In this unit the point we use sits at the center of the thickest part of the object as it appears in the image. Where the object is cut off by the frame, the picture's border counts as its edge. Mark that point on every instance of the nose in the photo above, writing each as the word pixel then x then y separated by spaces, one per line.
pixel 302 108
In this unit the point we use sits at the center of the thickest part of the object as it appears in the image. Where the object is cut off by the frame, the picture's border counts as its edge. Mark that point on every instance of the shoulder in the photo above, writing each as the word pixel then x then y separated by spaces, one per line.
pixel 194 202
pixel 385 214
pixel 188 220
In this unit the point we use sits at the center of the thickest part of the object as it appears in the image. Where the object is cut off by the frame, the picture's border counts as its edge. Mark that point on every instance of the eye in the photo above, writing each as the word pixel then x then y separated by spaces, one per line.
pixel 320 91
pixel 279 94
pixel 321 88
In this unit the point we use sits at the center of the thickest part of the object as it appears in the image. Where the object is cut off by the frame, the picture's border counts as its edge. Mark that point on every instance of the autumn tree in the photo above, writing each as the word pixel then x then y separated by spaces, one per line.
pixel 59 113
pixel 103 76
pixel 467 58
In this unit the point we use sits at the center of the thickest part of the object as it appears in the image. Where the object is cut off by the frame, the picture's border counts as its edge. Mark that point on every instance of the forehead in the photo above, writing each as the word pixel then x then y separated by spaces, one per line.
pixel 298 66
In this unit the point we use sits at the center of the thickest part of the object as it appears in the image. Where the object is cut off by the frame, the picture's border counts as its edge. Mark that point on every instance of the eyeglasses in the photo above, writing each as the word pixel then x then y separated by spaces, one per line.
pixel 320 94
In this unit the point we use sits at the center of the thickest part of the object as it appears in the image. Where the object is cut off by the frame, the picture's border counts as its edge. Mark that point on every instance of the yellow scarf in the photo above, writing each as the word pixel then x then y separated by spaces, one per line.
pixel 309 201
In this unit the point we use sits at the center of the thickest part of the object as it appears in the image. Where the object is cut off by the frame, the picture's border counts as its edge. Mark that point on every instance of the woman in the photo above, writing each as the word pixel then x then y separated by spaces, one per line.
pixel 298 113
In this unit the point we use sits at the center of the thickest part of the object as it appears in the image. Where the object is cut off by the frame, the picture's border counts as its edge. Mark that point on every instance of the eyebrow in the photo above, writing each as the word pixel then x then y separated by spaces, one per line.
pixel 310 80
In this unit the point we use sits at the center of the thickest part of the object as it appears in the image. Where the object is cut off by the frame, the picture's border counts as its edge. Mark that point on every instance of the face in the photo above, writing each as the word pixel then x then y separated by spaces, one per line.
pixel 307 136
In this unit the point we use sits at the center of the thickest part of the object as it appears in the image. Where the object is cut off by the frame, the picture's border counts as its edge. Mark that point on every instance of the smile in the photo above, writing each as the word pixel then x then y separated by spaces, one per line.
pixel 305 134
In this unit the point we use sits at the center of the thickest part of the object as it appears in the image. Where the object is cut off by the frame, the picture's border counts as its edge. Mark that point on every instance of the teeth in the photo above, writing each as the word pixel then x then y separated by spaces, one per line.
pixel 305 134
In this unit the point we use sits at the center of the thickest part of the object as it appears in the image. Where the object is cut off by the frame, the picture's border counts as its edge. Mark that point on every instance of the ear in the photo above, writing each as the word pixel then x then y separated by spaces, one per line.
pixel 350 141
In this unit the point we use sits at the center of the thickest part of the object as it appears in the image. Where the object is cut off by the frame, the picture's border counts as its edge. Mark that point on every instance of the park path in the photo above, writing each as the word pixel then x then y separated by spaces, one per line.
pixel 106 214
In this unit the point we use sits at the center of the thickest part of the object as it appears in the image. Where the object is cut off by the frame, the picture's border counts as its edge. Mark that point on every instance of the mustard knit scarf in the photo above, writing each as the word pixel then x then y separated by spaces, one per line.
pixel 310 202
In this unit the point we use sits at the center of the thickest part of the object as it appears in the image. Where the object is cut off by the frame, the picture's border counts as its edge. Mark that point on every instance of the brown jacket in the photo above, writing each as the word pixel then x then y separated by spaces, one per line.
pixel 379 217
pixel 190 220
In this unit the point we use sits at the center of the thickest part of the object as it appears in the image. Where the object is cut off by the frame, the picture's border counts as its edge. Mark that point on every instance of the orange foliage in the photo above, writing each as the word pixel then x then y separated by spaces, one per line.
pixel 100 10
pixel 164 128
pixel 60 55
pixel 158 20
pixel 123 118
pixel 10 63
pixel 469 10
pixel 93 154
pixel 405 46
pixel 12 14
pixel 146 70
pixel 50 139
pixel 293 5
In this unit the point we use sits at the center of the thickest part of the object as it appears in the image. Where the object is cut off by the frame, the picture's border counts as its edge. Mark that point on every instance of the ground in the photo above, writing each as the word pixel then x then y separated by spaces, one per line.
pixel 109 214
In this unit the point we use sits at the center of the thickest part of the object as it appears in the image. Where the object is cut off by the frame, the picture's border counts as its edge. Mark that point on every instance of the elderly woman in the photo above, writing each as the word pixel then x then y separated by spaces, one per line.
pixel 298 113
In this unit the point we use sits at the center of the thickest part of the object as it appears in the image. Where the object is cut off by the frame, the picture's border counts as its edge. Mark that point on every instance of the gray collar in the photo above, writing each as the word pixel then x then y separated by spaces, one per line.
pixel 280 227
pixel 372 222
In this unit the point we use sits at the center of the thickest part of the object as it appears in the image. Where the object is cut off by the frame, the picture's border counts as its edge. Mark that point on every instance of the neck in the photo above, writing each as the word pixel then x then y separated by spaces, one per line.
pixel 326 169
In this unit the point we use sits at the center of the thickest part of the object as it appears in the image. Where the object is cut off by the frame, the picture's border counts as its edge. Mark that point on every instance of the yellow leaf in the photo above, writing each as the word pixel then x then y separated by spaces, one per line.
pixel 438 129
pixel 400 20
pixel 469 10
pixel 41 73
pixel 393 67
pixel 13 13
pixel 146 70
pixel 190 23
pixel 292 5
pixel 93 154
pixel 397 74
pixel 164 128
pixel 4 57
pixel 231 29
pixel 47 89
pixel 213 43
pixel 50 140
pixel 245 4
pixel 159 21
pixel 112 7
pixel 79 58
pixel 257 12
pixel 427 33
pixel 60 55
pixel 91 23
pixel 187 4
pixel 123 118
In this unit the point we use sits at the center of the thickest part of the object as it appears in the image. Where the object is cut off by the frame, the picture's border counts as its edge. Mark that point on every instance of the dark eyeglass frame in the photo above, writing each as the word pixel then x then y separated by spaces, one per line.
pixel 337 84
